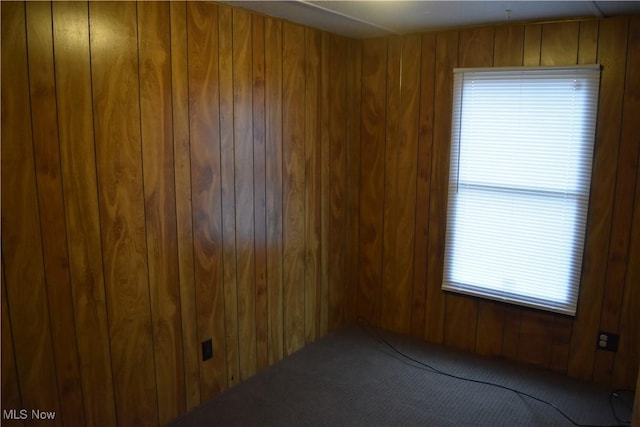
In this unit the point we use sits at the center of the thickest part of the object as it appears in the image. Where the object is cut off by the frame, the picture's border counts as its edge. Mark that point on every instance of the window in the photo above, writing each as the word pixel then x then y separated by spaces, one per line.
pixel 521 153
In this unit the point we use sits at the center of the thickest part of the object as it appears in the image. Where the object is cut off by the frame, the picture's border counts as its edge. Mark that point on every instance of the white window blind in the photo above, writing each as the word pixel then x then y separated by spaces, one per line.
pixel 521 153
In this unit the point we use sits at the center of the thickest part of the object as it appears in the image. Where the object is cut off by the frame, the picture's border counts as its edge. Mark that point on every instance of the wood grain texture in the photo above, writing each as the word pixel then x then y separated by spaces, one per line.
pixel 559 45
pixel 114 62
pixel 508 45
pixel 204 129
pixel 374 68
pixel 228 188
pixel 353 94
pixel 184 222
pixel 259 185
pixel 532 42
pixel 312 198
pixel 624 368
pixel 10 390
pixel 423 188
pixel 536 336
pixel 622 215
pixel 409 121
pixel 562 330
pixel 588 42
pixel 273 111
pixel 52 215
pixel 244 206
pixel 337 180
pixel 77 151
pixel 156 125
pixel 389 298
pixel 611 48
pixel 446 60
pixel 293 130
pixel 325 167
pixel 21 240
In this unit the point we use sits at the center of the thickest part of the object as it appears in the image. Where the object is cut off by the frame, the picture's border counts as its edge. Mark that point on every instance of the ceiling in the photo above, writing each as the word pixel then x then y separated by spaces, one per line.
pixel 363 19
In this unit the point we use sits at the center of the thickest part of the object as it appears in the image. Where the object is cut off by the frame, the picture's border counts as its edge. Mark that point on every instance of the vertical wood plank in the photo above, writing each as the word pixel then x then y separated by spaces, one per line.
pixel 562 330
pixel 624 251
pixel 293 129
pixel 114 62
pixel 374 68
pixel 409 122
pixel 532 42
pixel 588 42
pixel 337 180
pixel 184 222
pixel 21 240
pixel 511 332
pixel 228 188
pixel 423 188
pixel 273 110
pixel 446 60
pixel 508 45
pixel 259 185
pixel 490 329
pixel 389 299
pixel 52 215
pixel 559 45
pixel 245 220
pixel 202 22
pixel 354 91
pixel 77 151
pixel 313 224
pixel 10 390
pixel 156 125
pixel 536 336
pixel 325 202
pixel 611 54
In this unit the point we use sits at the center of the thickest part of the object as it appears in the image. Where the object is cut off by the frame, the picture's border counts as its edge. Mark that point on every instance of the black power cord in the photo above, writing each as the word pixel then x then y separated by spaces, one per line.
pixel 520 393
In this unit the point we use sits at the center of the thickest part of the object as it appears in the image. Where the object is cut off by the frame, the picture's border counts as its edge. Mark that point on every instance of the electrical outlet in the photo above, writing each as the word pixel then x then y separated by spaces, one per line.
pixel 608 341
pixel 207 350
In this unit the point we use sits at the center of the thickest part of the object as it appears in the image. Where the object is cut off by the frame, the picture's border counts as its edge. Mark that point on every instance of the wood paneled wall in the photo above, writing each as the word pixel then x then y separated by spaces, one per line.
pixel 172 172
pixel 406 119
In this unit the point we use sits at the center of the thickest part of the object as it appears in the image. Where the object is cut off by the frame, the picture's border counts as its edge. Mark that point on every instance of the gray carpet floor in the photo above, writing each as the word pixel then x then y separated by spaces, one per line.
pixel 354 377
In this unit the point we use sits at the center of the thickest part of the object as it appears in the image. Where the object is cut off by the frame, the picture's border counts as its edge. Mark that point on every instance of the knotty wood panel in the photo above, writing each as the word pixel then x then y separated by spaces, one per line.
pixel 184 223
pixel 154 50
pixel 423 188
pixel 244 207
pixel 374 68
pixel 114 62
pixel 312 199
pixel 21 241
pixel 227 184
pixel 205 189
pixel 293 131
pixel 77 151
pixel 337 181
pixel 273 143
pixel 52 222
pixel 259 183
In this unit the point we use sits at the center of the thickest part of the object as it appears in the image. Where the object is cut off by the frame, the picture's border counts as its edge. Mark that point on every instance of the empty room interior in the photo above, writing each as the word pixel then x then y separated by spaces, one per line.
pixel 196 195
